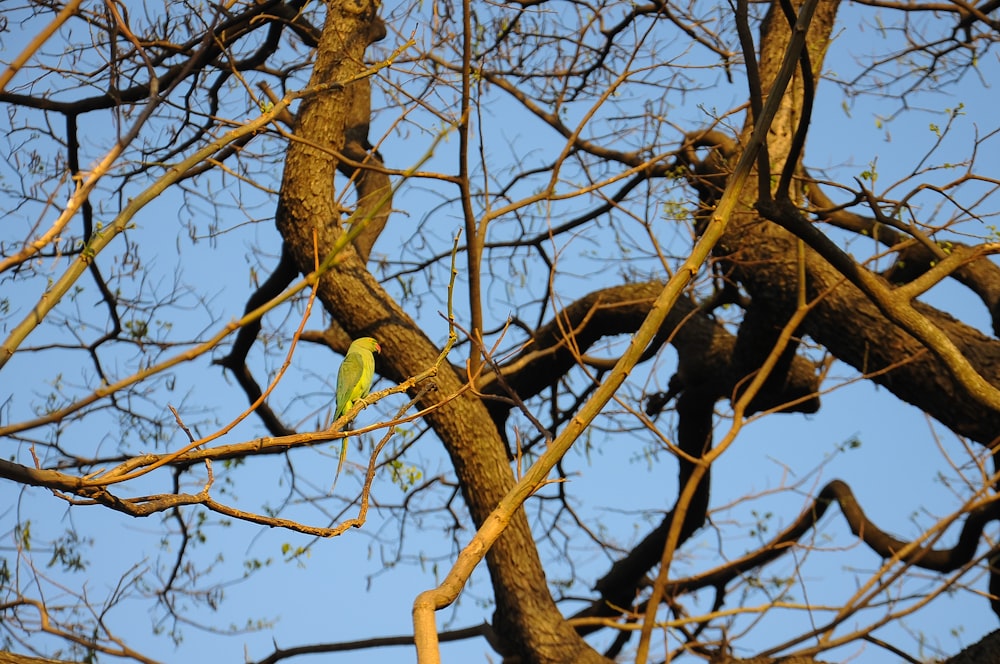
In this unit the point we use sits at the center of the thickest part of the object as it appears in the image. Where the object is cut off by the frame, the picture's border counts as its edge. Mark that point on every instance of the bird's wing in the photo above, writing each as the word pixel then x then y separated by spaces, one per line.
pixel 349 380
pixel 367 374
pixel 351 386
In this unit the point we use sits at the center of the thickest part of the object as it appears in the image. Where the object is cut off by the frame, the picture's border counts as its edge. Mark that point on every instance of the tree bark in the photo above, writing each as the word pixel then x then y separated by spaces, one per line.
pixel 986 649
pixel 14 658
pixel 527 620
pixel 764 258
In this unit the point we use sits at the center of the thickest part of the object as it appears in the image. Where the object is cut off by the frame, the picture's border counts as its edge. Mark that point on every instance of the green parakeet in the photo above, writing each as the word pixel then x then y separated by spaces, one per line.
pixel 354 381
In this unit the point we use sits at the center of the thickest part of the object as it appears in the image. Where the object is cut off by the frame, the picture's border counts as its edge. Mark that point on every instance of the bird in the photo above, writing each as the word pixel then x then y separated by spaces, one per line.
pixel 354 381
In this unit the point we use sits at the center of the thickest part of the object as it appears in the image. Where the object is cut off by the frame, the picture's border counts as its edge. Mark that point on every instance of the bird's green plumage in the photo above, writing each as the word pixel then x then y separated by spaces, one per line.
pixel 354 380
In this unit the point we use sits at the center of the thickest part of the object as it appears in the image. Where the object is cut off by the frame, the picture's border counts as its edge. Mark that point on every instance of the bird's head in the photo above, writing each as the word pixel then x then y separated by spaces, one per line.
pixel 366 343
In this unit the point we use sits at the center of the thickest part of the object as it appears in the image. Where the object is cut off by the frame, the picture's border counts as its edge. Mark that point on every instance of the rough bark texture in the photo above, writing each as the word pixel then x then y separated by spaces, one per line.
pixel 704 347
pixel 763 258
pixel 985 650
pixel 767 261
pixel 913 258
pixel 759 255
pixel 14 658
pixel 530 626
pixel 770 256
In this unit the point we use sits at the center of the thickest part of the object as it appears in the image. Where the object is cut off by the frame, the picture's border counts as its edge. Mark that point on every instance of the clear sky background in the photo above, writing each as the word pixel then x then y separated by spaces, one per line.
pixel 362 585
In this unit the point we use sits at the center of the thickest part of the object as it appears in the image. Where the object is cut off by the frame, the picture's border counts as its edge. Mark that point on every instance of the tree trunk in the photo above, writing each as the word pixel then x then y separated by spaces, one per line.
pixel 527 620
pixel 764 258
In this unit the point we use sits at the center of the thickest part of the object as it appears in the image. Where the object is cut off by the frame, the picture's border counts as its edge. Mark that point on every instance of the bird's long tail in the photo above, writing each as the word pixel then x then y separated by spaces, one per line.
pixel 340 464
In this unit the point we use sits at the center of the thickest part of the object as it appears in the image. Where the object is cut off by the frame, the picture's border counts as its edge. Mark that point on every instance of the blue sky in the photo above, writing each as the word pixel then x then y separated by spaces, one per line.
pixel 343 589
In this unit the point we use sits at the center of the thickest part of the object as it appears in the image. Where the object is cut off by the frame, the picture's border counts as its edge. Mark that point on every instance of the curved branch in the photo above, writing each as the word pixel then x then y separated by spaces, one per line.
pixel 897 332
pixel 981 275
pixel 236 361
pixel 202 50
pixel 704 347
pixel 619 585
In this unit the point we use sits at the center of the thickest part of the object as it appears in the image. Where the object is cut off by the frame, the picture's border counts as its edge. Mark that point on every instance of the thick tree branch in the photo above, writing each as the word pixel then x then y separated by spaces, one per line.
pixel 527 618
pixel 913 258
pixel 704 347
